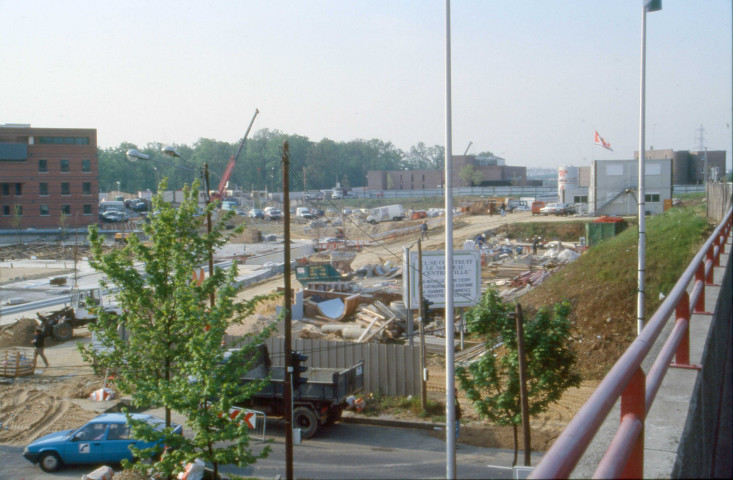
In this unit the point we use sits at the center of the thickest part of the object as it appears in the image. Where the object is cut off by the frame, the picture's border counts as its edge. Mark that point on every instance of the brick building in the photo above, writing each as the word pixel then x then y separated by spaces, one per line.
pixel 48 177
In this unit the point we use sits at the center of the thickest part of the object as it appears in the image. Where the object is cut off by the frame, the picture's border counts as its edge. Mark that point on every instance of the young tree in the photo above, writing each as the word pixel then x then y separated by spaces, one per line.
pixel 470 175
pixel 173 355
pixel 492 382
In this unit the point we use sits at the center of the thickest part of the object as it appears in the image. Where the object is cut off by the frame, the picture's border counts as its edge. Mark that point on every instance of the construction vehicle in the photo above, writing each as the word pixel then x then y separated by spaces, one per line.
pixel 319 394
pixel 221 190
pixel 60 324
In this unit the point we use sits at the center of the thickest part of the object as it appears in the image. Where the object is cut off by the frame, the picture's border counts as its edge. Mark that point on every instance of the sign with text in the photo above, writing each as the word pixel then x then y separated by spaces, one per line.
pixel 466 278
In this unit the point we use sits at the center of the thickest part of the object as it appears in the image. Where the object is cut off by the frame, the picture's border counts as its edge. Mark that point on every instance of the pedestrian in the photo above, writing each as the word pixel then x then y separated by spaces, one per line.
pixel 534 245
pixel 424 230
pixel 502 208
pixel 37 342
pixel 458 412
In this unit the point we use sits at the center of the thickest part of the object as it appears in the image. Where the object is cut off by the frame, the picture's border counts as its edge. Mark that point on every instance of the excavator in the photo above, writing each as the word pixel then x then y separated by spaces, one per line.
pixel 220 192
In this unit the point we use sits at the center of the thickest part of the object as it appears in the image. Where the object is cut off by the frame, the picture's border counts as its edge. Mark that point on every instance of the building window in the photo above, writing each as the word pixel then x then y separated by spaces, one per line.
pixel 580 199
pixel 86 165
pixel 44 211
pixel 6 210
pixel 65 188
pixel 64 140
pixel 42 166
pixel 43 189
pixel 66 209
pixel 18 189
pixel 651 198
pixel 64 166
pixel 86 188
pixel 6 189
pixel 87 209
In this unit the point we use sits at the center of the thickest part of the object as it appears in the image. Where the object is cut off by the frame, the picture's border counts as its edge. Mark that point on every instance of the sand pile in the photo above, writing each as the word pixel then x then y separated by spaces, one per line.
pixel 19 334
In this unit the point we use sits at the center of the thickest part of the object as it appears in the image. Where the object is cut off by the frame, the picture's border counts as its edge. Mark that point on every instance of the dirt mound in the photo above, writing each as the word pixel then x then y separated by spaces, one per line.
pixel 19 334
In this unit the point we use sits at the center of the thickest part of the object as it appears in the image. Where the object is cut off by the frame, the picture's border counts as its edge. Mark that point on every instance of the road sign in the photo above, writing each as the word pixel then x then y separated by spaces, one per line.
pixel 466 278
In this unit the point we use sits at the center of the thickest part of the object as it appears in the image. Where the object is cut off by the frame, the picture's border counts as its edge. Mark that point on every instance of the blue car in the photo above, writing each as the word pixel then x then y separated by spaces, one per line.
pixel 105 439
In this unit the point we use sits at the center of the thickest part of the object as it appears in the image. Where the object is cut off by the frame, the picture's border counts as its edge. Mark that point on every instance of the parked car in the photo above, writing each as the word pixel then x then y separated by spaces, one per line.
pixel 304 212
pixel 557 209
pixel 113 216
pixel 256 213
pixel 274 214
pixel 241 213
pixel 105 439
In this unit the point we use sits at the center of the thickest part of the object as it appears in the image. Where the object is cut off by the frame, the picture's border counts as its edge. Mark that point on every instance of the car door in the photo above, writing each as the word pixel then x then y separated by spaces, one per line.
pixel 86 445
pixel 117 446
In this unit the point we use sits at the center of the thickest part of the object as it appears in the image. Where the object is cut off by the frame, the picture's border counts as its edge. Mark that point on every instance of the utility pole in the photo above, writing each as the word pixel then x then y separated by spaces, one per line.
pixel 288 387
pixel 423 313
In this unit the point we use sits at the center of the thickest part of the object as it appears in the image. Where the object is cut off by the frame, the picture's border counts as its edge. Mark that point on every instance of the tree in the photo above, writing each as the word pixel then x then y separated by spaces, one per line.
pixel 492 382
pixel 470 175
pixel 173 355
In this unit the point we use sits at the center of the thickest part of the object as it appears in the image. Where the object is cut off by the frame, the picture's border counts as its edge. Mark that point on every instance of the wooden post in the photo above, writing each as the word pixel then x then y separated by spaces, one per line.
pixel 523 385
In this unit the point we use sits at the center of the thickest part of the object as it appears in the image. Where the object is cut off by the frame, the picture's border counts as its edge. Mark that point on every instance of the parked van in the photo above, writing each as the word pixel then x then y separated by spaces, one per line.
pixel 536 206
pixel 382 214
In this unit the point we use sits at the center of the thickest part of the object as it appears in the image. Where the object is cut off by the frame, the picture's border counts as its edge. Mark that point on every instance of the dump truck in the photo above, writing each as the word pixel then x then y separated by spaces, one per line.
pixel 60 324
pixel 319 397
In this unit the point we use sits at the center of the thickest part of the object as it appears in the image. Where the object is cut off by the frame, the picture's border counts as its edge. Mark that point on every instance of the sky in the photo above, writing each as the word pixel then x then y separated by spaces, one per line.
pixel 531 80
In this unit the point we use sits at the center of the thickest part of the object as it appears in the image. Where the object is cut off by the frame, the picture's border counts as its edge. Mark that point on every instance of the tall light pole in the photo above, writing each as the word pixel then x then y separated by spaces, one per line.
pixel 134 155
pixel 648 6
pixel 450 411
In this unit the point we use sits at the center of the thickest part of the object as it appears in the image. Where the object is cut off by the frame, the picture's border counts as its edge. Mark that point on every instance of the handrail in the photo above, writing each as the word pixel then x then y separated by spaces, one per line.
pixel 626 379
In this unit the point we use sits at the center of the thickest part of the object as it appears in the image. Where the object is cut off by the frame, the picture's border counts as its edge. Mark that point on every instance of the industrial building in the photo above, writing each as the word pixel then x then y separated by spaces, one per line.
pixel 48 177
pixel 689 167
pixel 613 188
pixel 491 170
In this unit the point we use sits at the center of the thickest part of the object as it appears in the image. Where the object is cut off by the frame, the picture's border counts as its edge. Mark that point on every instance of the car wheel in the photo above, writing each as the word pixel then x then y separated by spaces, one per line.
pixel 49 462
pixel 62 331
pixel 306 420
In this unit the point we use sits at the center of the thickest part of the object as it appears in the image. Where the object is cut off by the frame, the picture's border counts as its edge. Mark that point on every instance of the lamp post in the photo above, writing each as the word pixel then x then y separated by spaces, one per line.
pixel 134 155
pixel 648 6
pixel 118 187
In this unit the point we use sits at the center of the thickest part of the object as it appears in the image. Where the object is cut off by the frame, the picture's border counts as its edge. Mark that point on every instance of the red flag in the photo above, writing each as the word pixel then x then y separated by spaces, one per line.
pixel 600 141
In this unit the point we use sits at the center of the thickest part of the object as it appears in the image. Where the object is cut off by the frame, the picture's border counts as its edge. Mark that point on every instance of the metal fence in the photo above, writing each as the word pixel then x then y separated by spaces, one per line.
pixel 391 370
pixel 628 381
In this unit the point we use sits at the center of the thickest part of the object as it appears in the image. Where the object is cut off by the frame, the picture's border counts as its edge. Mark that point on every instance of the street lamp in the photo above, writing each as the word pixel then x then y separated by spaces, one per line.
pixel 648 6
pixel 118 187
pixel 134 155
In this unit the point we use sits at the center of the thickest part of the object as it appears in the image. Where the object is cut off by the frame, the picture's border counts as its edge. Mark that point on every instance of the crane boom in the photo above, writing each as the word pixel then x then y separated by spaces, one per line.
pixel 233 160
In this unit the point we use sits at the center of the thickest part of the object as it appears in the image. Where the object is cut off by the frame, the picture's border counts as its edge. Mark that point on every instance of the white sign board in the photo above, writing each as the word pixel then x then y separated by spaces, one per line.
pixel 466 278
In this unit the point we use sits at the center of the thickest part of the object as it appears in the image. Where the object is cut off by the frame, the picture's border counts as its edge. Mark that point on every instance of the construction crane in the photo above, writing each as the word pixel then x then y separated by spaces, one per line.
pixel 219 194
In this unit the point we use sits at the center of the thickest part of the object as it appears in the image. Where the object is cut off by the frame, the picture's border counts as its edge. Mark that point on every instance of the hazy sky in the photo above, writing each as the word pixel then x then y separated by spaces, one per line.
pixel 532 79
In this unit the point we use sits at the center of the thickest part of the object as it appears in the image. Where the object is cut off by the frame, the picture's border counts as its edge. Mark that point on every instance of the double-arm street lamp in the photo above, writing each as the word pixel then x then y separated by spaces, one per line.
pixel 134 155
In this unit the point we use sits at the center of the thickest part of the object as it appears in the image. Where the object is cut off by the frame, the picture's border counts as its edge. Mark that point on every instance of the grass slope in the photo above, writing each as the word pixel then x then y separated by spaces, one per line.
pixel 602 285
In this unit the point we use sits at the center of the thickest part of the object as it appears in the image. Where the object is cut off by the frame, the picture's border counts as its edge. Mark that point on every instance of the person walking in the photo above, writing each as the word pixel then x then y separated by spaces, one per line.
pixel 424 231
pixel 38 339
pixel 502 208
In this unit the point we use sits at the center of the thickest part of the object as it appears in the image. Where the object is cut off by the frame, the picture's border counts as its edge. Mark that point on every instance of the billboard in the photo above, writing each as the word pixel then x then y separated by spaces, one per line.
pixel 466 278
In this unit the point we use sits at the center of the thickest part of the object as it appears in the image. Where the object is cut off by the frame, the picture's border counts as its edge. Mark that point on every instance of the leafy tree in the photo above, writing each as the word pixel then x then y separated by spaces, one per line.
pixel 422 157
pixel 173 355
pixel 492 382
pixel 470 175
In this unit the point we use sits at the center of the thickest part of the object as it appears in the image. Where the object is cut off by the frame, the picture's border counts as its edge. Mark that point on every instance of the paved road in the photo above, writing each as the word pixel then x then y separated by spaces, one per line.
pixel 343 451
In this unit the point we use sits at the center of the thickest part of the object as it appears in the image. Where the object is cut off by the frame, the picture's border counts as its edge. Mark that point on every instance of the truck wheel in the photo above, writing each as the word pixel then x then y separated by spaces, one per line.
pixel 62 331
pixel 49 462
pixel 373 222
pixel 306 420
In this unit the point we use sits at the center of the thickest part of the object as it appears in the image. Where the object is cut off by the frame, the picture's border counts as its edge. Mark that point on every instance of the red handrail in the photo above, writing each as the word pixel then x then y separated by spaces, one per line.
pixel 626 379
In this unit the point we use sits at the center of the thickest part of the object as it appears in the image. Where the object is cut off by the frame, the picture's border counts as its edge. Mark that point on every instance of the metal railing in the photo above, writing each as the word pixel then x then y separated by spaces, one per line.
pixel 627 380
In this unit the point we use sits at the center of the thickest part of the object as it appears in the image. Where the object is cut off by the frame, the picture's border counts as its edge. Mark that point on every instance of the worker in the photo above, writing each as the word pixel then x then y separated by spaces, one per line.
pixel 502 208
pixel 534 245
pixel 424 230
pixel 480 240
pixel 38 338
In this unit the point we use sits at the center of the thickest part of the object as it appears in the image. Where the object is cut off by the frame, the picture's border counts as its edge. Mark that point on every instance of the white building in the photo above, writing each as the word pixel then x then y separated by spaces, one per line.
pixel 614 186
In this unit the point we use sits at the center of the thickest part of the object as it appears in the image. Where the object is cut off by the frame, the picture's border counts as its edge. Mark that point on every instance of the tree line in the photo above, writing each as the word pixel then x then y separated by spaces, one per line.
pixel 314 165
